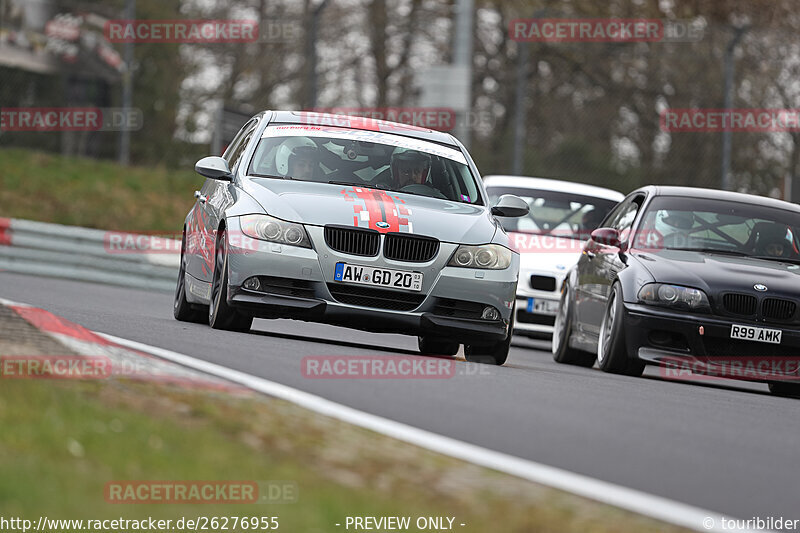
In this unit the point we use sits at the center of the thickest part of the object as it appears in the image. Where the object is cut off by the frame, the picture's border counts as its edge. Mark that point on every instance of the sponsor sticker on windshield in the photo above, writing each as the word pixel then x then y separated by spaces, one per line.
pixel 378 137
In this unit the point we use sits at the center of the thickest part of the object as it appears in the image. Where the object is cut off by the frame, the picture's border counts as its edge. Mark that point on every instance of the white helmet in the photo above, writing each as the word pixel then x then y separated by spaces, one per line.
pixel 289 149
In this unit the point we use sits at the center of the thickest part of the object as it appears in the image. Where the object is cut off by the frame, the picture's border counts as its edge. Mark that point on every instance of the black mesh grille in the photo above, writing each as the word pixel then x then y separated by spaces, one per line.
pixel 740 304
pixel 413 249
pixel 721 347
pixel 543 283
pixel 286 286
pixel 524 317
pixel 778 309
pixel 378 298
pixel 353 241
pixel 458 308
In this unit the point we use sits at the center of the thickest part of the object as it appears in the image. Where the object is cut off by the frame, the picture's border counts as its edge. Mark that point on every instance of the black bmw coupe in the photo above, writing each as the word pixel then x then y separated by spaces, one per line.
pixel 703 281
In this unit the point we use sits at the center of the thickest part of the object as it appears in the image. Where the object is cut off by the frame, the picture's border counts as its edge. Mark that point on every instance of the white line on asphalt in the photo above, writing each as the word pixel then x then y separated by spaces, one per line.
pixel 669 511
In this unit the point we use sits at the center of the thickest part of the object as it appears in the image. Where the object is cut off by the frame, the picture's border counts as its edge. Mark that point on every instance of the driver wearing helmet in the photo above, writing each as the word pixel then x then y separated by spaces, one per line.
pixel 298 158
pixel 773 242
pixel 410 167
pixel 679 224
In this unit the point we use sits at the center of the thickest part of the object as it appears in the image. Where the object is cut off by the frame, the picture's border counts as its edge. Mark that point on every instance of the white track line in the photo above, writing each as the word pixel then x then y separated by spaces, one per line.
pixel 629 499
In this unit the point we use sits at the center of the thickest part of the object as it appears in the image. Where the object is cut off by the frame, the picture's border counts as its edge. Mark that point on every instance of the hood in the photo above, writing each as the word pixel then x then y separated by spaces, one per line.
pixel 719 273
pixel 546 252
pixel 385 211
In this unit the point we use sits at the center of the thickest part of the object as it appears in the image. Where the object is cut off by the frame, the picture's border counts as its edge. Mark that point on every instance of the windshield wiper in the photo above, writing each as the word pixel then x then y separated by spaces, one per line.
pixel 737 253
pixel 778 259
pixel 712 251
pixel 362 184
pixel 273 176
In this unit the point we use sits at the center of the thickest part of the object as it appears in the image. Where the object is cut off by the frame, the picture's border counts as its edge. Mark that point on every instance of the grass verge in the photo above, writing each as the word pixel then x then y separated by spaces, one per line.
pixel 93 193
pixel 63 441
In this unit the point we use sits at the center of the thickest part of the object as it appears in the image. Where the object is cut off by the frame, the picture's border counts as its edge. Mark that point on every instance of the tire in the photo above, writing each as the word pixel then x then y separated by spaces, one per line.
pixel 562 353
pixel 612 352
pixel 787 390
pixel 181 308
pixel 492 354
pixel 434 346
pixel 220 314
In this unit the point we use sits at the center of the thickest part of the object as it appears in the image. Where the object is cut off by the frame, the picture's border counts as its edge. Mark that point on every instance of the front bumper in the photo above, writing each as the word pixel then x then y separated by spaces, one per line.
pixel 449 304
pixel 674 340
pixel 537 308
pixel 535 322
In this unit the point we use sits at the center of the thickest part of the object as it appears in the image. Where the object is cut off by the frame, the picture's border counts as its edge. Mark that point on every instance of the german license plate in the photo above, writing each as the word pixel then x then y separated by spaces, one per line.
pixel 380 277
pixel 749 333
pixel 542 307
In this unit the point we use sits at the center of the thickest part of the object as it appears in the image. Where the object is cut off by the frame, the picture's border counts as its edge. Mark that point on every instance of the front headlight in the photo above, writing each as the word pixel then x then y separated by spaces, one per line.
pixel 487 256
pixel 676 296
pixel 267 228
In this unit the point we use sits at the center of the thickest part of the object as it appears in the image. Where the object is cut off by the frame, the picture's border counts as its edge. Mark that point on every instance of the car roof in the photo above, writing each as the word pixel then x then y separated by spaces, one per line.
pixel 545 184
pixel 362 123
pixel 717 194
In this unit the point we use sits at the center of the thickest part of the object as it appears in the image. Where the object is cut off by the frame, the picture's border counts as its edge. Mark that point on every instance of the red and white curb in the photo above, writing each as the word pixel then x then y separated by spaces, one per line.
pixel 125 362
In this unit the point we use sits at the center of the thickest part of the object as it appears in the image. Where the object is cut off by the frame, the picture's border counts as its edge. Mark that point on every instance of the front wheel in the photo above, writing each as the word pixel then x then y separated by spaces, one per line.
pixel 220 314
pixel 181 308
pixel 492 354
pixel 562 352
pixel 612 353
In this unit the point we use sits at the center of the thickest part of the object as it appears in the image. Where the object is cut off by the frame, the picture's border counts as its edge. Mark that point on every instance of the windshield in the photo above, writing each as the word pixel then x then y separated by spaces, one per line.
pixel 554 213
pixel 366 159
pixel 682 223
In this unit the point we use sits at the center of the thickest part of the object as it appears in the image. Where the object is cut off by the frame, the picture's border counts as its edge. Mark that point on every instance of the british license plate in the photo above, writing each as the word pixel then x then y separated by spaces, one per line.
pixel 380 277
pixel 542 307
pixel 749 333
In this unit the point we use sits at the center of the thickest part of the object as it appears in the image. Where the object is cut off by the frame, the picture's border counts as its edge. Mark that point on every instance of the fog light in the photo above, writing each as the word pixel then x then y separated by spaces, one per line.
pixel 490 313
pixel 252 284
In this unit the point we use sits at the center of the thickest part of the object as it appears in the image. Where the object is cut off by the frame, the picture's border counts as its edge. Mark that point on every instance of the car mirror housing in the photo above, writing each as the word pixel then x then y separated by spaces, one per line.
pixel 509 205
pixel 214 167
pixel 607 237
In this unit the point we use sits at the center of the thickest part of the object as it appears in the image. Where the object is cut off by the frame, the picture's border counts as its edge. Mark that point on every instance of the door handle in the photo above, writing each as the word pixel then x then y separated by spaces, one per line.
pixel 202 199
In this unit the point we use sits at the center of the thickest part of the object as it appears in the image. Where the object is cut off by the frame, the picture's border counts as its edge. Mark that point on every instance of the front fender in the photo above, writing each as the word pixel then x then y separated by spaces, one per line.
pixel 632 278
pixel 243 204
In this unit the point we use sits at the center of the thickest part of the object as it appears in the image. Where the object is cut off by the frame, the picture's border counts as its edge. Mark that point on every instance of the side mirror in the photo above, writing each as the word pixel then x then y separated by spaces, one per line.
pixel 509 205
pixel 214 167
pixel 606 236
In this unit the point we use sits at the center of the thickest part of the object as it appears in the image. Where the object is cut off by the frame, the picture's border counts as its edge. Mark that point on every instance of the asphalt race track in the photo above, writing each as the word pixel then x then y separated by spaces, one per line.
pixel 725 446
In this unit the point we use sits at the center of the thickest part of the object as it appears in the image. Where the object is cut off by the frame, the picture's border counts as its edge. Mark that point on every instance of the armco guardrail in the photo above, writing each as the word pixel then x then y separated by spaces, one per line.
pixel 72 252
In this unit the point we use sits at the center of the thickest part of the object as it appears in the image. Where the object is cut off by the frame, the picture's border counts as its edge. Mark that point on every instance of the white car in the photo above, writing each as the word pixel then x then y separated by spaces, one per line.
pixel 549 239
